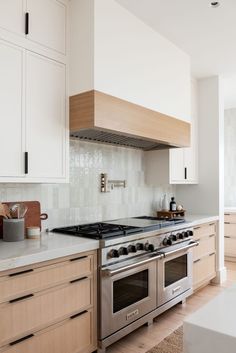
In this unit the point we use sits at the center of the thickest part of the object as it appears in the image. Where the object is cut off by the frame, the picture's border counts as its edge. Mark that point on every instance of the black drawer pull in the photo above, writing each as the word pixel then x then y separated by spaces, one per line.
pixel 227 236
pixel 21 298
pixel 78 258
pixel 212 235
pixel 227 222
pixel 78 279
pixel 212 254
pixel 21 339
pixel 20 273
pixel 185 173
pixel 195 228
pixel 27 23
pixel 79 314
pixel 26 163
pixel 196 261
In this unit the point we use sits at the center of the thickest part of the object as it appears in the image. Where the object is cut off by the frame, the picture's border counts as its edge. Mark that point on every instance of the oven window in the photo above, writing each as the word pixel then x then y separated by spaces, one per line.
pixel 175 270
pixel 130 290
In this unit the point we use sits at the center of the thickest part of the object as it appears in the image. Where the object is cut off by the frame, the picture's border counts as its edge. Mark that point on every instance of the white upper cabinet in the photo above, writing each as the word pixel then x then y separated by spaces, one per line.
pixel 47 23
pixel 45 117
pixel 177 165
pixel 183 168
pixel 12 16
pixel 11 111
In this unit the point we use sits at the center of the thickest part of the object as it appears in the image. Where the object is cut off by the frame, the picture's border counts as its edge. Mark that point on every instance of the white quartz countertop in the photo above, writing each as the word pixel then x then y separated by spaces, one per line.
pixel 230 209
pixel 212 328
pixel 50 246
pixel 54 245
pixel 196 219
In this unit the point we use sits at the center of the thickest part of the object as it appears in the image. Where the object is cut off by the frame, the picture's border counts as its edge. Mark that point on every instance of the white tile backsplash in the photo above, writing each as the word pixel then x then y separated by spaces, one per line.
pixel 81 201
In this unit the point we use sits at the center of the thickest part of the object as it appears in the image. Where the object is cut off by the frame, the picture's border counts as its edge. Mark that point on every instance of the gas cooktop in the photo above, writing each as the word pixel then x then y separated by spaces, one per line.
pixel 117 228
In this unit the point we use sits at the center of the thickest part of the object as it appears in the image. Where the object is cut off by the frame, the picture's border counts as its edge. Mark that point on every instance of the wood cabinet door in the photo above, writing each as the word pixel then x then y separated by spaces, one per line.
pixel 47 23
pixel 12 16
pixel 45 117
pixel 11 110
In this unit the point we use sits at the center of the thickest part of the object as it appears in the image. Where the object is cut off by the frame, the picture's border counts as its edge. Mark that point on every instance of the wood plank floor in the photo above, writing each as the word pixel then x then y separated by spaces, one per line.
pixel 145 337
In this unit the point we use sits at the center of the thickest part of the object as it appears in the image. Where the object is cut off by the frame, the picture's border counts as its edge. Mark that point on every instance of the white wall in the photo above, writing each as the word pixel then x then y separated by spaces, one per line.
pixel 208 196
pixel 230 157
pixel 131 60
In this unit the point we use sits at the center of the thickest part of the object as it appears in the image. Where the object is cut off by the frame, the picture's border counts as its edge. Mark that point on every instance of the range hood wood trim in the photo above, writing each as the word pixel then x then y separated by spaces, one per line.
pixel 97 110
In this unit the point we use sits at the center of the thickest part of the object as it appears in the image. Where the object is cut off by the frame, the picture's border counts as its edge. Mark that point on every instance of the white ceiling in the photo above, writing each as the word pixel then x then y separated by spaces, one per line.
pixel 207 35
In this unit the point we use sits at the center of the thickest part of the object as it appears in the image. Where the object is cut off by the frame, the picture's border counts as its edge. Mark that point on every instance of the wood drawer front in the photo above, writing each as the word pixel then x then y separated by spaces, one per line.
pixel 204 230
pixel 230 217
pixel 207 245
pixel 44 308
pixel 33 280
pixel 73 336
pixel 230 246
pixel 230 229
pixel 203 270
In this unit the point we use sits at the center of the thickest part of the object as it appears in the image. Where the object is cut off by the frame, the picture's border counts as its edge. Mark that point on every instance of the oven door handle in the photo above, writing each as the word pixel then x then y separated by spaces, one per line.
pixel 111 273
pixel 192 244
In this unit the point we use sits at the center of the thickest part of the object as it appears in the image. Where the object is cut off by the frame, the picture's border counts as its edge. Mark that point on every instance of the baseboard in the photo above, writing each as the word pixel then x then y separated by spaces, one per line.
pixel 221 276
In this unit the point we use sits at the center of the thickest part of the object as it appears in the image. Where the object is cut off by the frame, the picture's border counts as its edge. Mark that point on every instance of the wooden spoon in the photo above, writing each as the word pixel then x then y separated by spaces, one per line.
pixel 7 211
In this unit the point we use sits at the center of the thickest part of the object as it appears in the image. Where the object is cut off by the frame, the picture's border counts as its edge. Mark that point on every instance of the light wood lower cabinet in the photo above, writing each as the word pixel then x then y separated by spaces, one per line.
pixel 230 236
pixel 71 336
pixel 204 255
pixel 58 315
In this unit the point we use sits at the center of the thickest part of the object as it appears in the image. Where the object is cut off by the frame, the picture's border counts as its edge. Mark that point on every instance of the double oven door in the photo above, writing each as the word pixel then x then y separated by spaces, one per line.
pixel 126 294
pixel 174 275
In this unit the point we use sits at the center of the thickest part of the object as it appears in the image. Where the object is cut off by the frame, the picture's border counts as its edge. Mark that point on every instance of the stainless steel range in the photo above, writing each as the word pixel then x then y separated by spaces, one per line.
pixel 145 267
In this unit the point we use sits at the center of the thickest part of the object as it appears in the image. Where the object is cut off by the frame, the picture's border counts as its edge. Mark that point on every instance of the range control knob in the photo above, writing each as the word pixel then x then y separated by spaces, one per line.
pixel 114 253
pixel 123 251
pixel 181 235
pixel 151 247
pixel 174 237
pixel 167 241
pixel 190 233
pixel 132 248
pixel 185 234
pixel 139 246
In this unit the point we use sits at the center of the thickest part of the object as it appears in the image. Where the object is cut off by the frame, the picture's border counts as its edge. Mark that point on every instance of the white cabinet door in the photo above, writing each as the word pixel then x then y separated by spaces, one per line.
pixel 12 16
pixel 45 117
pixel 47 23
pixel 176 165
pixel 11 111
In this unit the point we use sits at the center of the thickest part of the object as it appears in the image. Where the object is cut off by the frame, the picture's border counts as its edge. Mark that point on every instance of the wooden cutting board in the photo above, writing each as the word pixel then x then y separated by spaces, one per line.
pixel 33 216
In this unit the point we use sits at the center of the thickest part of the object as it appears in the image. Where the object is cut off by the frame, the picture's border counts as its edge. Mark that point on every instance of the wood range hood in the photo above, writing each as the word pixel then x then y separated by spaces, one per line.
pixel 99 117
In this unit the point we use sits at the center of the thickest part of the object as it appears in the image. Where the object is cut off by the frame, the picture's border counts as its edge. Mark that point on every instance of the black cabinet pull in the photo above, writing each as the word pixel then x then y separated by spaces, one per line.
pixel 27 23
pixel 79 314
pixel 20 273
pixel 78 279
pixel 185 173
pixel 78 258
pixel 26 163
pixel 21 339
pixel 21 298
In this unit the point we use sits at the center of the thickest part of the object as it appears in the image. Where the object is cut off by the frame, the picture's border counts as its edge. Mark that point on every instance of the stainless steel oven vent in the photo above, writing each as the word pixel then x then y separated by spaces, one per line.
pixel 99 136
